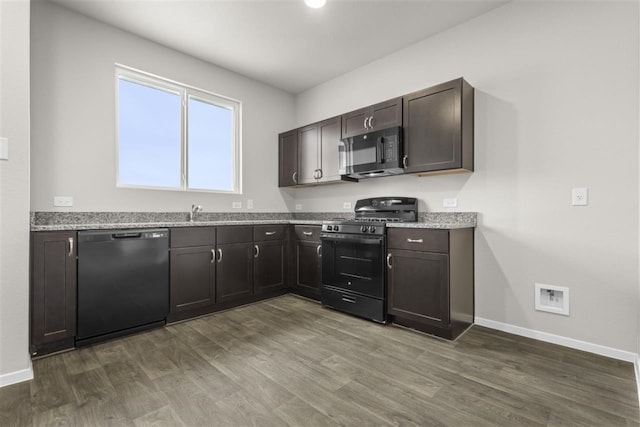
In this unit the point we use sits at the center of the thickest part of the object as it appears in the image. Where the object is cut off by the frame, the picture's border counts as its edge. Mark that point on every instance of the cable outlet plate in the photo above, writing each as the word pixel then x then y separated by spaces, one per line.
pixel 553 299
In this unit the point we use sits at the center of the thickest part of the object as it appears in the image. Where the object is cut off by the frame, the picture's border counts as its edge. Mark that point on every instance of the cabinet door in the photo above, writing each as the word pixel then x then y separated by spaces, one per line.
pixel 419 286
pixel 437 136
pixel 308 154
pixel 234 275
pixel 288 159
pixel 329 133
pixel 192 278
pixel 379 116
pixel 268 266
pixel 308 258
pixel 53 292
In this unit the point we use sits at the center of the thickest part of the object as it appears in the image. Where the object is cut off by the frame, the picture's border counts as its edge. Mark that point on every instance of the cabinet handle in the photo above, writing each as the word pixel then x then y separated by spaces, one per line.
pixel 389 261
pixel 319 251
pixel 269 233
pixel 213 255
pixel 257 248
pixel 219 255
pixel 349 299
pixel 70 246
pixel 319 173
pixel 405 160
pixel 307 233
pixel 294 177
pixel 371 122
pixel 364 124
pixel 415 241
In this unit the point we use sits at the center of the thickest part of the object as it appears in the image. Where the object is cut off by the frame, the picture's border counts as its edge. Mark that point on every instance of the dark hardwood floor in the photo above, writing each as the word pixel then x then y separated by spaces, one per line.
pixel 288 361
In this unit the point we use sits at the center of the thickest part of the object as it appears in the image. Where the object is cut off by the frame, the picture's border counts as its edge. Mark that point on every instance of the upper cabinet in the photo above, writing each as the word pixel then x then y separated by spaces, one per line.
pixel 438 129
pixel 379 116
pixel 288 158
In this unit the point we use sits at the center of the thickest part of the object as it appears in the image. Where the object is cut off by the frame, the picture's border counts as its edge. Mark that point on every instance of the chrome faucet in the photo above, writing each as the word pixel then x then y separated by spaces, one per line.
pixel 194 210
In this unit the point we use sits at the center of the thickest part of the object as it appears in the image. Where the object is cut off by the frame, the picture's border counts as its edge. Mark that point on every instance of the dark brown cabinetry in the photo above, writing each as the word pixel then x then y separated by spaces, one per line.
pixel 269 263
pixel 53 291
pixel 307 255
pixel 318 152
pixel 288 158
pixel 438 128
pixel 379 116
pixel 193 270
pixel 430 279
pixel 234 263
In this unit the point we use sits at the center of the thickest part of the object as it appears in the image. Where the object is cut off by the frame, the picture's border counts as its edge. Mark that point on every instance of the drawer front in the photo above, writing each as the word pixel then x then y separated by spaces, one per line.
pixel 359 305
pixel 308 232
pixel 268 232
pixel 235 234
pixel 415 239
pixel 193 236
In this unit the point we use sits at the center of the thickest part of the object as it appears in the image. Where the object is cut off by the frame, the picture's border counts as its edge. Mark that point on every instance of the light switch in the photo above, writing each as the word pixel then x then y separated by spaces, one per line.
pixel 4 149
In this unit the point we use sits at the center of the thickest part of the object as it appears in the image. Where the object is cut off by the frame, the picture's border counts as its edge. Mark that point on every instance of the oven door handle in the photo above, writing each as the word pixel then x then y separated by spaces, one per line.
pixel 351 238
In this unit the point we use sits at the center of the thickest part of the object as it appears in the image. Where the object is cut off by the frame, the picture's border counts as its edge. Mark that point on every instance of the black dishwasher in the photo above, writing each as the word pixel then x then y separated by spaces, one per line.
pixel 123 282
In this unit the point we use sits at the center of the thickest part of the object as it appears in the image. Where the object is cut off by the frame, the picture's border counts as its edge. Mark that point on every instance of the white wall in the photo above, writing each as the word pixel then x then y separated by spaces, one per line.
pixel 73 135
pixel 556 107
pixel 15 363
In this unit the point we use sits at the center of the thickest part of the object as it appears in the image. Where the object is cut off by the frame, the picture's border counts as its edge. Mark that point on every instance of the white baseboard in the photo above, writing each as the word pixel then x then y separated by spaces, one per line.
pixel 614 353
pixel 17 376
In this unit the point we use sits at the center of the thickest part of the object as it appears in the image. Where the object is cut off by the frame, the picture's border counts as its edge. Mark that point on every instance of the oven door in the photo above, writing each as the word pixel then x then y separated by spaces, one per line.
pixel 354 263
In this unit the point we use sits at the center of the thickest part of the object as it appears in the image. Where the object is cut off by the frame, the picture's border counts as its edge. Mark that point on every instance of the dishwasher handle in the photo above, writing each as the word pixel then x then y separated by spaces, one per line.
pixel 126 235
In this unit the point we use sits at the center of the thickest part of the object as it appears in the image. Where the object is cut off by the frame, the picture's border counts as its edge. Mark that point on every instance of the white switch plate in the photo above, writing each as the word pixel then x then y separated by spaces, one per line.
pixel 64 201
pixel 450 203
pixel 346 205
pixel 580 196
pixel 249 203
pixel 4 149
pixel 236 205
pixel 298 207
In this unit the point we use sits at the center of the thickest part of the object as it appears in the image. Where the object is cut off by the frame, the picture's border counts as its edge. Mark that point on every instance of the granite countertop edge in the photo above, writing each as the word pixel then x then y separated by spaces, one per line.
pixel 436 224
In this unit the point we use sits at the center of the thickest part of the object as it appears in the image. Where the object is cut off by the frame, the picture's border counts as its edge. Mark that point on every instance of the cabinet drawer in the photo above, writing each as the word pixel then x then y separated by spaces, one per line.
pixel 268 232
pixel 193 236
pixel 359 305
pixel 414 239
pixel 308 232
pixel 235 234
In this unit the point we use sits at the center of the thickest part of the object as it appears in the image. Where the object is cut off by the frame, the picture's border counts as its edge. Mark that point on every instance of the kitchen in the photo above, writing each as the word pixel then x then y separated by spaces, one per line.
pixel 556 108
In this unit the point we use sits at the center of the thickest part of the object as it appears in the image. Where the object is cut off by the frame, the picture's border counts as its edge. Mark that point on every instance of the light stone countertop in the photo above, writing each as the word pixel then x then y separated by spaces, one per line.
pixel 436 220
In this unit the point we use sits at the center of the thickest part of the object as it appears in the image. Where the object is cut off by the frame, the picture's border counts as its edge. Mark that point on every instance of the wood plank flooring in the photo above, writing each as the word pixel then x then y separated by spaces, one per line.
pixel 291 362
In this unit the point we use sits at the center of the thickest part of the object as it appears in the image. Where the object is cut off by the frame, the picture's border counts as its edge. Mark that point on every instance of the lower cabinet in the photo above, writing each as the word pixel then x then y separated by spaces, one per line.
pixel 193 270
pixel 235 263
pixel 269 263
pixel 53 291
pixel 307 255
pixel 430 279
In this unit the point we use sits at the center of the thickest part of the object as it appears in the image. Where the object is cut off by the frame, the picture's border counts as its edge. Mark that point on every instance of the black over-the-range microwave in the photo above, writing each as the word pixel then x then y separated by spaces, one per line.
pixel 377 153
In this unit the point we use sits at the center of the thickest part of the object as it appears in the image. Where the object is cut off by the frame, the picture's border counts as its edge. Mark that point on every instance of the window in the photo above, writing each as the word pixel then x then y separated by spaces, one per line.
pixel 172 136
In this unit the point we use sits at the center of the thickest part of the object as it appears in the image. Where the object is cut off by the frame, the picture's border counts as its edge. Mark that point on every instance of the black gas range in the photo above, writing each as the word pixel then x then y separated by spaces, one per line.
pixel 354 256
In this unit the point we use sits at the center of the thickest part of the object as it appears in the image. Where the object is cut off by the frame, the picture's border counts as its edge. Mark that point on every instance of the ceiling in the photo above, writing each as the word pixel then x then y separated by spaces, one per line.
pixel 283 42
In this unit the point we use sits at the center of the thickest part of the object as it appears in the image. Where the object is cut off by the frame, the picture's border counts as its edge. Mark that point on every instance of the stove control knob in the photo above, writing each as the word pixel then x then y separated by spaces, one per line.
pixel 335 228
pixel 329 227
pixel 364 228
pixel 372 229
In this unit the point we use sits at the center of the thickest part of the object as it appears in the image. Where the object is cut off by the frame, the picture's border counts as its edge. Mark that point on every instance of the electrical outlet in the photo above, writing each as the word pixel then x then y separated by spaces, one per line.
pixel 346 205
pixel 580 196
pixel 249 204
pixel 450 203
pixel 64 201
pixel 236 205
pixel 298 207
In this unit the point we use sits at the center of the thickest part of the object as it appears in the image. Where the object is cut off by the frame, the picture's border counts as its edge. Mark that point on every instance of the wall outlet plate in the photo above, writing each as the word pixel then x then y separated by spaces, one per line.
pixel 580 196
pixel 63 201
pixel 450 203
pixel 346 205
pixel 236 205
pixel 298 207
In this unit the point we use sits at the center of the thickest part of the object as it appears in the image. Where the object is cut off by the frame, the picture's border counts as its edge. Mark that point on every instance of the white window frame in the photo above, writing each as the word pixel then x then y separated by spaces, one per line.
pixel 185 92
